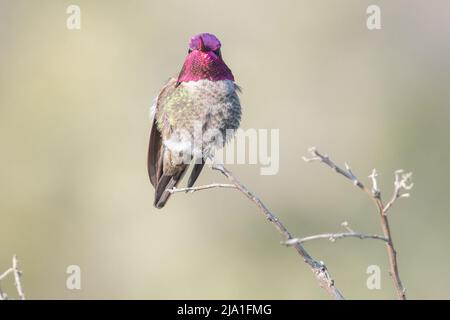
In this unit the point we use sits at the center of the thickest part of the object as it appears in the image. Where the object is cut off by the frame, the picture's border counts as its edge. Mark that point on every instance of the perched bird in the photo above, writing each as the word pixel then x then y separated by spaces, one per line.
pixel 193 115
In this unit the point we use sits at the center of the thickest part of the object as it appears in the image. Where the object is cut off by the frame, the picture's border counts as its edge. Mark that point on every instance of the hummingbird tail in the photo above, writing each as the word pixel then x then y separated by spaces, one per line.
pixel 166 183
pixel 195 173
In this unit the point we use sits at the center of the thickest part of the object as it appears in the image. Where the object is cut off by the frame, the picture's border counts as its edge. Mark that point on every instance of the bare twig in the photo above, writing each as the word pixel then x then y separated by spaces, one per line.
pixel 318 268
pixel 6 273
pixel 401 185
pixel 335 236
pixel 3 295
pixel 199 188
pixel 17 274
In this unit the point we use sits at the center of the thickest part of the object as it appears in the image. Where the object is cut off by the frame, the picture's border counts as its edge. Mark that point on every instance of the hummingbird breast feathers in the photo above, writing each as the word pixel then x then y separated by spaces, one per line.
pixel 199 116
pixel 191 120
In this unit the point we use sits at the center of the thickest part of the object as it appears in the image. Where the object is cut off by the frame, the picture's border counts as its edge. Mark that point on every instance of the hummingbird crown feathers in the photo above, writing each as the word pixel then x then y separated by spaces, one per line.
pixel 204 60
pixel 205 41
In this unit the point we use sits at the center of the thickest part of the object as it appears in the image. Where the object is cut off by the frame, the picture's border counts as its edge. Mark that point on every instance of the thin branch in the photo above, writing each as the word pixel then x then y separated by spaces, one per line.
pixel 3 295
pixel 6 273
pixel 199 188
pixel 17 274
pixel 335 236
pixel 318 268
pixel 401 185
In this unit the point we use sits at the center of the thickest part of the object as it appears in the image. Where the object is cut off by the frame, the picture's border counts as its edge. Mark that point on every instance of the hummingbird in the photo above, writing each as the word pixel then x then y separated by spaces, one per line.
pixel 195 113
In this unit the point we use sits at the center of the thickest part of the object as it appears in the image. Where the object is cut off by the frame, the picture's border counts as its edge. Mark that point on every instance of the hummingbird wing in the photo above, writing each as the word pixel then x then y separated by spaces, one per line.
pixel 163 175
pixel 155 147
pixel 153 160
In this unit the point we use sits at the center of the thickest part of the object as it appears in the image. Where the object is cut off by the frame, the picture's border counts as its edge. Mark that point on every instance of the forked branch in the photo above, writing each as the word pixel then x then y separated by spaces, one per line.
pixel 318 268
pixel 14 270
pixel 402 185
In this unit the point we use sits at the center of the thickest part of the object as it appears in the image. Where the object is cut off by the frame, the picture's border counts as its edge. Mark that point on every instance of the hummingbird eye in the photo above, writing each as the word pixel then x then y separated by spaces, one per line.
pixel 218 53
pixel 190 50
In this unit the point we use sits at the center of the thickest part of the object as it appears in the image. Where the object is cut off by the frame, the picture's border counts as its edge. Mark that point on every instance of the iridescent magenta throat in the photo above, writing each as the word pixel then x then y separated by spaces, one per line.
pixel 201 65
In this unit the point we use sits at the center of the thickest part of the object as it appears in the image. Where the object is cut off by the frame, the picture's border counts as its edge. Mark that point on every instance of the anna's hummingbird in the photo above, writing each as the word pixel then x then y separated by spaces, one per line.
pixel 193 115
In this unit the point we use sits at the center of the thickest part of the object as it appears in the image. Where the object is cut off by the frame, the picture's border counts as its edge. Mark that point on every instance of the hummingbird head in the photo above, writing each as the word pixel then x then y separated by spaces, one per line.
pixel 204 60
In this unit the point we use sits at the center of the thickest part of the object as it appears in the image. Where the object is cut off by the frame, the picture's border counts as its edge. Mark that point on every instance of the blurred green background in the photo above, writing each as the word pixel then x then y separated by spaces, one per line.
pixel 74 130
